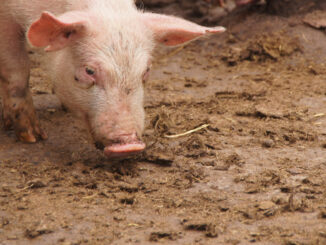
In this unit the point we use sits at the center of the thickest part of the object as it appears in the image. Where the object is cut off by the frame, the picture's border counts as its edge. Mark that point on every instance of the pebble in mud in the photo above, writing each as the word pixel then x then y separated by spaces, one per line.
pixel 36 183
pixel 268 208
pixel 268 143
pixel 36 231
pixel 265 205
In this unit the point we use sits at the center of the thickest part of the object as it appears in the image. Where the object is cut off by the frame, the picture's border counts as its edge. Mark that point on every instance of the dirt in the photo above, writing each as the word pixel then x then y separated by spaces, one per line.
pixel 255 174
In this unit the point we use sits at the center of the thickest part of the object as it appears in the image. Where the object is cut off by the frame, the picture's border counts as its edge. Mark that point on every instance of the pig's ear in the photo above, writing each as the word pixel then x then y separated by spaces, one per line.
pixel 56 33
pixel 173 31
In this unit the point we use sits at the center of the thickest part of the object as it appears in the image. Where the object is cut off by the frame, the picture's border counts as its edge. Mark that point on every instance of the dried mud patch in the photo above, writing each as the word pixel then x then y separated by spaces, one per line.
pixel 266 46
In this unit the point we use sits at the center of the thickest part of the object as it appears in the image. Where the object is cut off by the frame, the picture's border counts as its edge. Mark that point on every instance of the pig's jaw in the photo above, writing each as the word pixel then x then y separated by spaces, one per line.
pixel 123 150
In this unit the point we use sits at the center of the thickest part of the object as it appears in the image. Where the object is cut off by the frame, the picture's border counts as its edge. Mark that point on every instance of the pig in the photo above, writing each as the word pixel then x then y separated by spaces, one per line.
pixel 97 52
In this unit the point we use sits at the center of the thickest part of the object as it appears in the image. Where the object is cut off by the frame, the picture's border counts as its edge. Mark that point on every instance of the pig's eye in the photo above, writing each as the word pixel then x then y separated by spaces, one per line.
pixel 90 71
pixel 85 77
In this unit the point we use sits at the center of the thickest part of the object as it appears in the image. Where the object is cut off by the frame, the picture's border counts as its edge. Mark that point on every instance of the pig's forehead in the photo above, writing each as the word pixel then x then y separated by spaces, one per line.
pixel 122 29
pixel 118 51
pixel 118 43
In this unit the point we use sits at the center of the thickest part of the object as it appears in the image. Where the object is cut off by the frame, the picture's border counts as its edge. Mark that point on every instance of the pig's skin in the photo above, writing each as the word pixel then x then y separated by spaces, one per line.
pixel 101 51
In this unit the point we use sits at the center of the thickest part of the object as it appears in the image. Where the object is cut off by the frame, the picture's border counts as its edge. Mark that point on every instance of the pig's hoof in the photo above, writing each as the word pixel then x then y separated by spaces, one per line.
pixel 26 126
pixel 30 133
pixel 31 136
pixel 123 150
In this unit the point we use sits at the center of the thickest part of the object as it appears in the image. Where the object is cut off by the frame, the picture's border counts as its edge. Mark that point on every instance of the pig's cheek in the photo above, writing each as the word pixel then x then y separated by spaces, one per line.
pixel 70 97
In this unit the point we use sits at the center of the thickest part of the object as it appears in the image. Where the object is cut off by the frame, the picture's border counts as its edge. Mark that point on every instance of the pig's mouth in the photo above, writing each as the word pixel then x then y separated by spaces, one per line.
pixel 123 150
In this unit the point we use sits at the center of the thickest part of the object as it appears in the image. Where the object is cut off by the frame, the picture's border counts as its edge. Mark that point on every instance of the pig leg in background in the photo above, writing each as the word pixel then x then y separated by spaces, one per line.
pixel 18 109
pixel 245 2
pixel 237 2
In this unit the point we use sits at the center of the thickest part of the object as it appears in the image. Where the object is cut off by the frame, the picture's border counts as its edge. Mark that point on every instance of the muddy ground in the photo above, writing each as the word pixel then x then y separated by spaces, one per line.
pixel 256 173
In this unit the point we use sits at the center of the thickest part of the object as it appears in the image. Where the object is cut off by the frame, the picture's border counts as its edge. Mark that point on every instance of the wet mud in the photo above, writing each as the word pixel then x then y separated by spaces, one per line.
pixel 236 150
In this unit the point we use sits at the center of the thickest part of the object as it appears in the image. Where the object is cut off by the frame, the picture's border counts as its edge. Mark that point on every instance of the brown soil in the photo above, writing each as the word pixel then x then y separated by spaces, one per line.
pixel 256 174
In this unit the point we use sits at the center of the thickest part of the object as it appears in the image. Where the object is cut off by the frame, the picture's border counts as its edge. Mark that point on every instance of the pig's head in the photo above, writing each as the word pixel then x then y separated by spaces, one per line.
pixel 99 63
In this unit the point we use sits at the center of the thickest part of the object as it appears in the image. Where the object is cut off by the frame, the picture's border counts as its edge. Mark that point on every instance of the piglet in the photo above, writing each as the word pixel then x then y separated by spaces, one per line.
pixel 97 53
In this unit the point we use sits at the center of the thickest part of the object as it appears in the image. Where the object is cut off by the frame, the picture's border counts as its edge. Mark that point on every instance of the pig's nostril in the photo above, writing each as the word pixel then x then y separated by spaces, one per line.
pixel 99 145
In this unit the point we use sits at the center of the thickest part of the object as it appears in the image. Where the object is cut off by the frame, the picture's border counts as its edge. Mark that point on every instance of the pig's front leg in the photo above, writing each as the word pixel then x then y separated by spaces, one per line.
pixel 19 114
pixel 18 109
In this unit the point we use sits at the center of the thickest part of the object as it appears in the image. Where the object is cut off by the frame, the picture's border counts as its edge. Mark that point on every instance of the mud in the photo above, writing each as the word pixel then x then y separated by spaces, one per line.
pixel 255 174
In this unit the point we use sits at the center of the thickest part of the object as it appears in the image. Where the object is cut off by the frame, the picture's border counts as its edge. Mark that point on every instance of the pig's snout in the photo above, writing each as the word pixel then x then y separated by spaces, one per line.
pixel 122 146
pixel 117 130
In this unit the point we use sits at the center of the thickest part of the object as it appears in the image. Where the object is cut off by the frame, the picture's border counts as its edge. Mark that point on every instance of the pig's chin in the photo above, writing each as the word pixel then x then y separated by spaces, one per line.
pixel 123 150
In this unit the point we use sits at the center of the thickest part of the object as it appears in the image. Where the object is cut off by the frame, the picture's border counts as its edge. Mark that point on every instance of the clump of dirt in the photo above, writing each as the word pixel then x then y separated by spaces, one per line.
pixel 210 229
pixel 316 19
pixel 268 46
pixel 36 230
pixel 159 236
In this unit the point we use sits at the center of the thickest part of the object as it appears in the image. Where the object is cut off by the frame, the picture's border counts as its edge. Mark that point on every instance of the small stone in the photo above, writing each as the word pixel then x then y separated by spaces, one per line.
pixel 265 205
pixel 268 143
pixel 37 231
pixel 35 184
pixel 268 207
pixel 294 171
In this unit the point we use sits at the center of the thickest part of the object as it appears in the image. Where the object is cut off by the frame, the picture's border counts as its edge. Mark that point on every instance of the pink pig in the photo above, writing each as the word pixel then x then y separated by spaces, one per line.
pixel 97 54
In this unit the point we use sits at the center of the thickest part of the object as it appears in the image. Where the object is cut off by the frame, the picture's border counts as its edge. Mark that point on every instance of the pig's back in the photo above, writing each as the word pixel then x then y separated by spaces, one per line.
pixel 25 12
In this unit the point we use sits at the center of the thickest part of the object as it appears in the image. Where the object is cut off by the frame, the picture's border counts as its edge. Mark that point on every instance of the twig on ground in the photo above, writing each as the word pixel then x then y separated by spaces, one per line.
pixel 187 133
